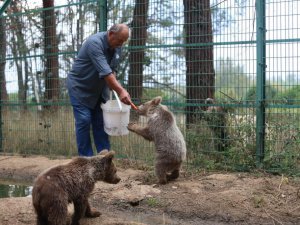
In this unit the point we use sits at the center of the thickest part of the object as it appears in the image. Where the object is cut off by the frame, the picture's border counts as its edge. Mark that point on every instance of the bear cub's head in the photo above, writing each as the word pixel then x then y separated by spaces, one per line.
pixel 105 169
pixel 149 107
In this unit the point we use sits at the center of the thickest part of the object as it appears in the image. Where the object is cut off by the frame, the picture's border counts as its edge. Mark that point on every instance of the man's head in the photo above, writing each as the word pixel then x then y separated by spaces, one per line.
pixel 117 35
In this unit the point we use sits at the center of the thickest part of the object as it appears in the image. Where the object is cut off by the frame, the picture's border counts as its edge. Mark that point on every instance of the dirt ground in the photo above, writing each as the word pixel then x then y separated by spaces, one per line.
pixel 198 199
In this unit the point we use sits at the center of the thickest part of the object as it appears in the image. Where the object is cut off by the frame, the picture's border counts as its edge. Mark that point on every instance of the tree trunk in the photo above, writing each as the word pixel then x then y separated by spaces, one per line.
pixel 3 91
pixel 80 26
pixel 18 62
pixel 200 75
pixel 35 76
pixel 137 55
pixel 20 51
pixel 51 54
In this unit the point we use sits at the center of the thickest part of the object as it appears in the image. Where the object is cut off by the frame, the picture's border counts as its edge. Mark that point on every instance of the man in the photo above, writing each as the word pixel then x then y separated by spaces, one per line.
pixel 93 73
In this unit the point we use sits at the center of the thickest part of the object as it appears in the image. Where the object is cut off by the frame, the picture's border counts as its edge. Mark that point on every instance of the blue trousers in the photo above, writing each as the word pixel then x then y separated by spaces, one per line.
pixel 85 119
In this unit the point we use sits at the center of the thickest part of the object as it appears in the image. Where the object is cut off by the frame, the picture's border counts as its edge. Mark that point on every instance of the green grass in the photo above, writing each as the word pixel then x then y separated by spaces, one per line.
pixel 52 135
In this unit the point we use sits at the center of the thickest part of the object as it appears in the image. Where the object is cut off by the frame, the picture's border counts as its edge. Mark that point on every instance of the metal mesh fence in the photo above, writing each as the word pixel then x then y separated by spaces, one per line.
pixel 228 70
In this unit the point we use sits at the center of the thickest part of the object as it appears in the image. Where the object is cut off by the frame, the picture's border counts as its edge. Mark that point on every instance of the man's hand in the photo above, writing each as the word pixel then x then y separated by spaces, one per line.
pixel 116 86
pixel 125 97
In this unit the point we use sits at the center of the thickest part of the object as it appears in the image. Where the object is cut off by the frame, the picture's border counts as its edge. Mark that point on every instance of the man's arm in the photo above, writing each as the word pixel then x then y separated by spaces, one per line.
pixel 112 83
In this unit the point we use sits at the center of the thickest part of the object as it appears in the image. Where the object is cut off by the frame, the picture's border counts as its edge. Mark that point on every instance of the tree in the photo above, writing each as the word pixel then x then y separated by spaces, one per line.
pixel 161 17
pixel 3 91
pixel 137 49
pixel 200 74
pixel 20 51
pixel 51 53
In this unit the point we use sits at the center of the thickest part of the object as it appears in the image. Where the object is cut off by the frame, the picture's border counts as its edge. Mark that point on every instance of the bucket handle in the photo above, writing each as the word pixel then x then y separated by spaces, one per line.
pixel 118 100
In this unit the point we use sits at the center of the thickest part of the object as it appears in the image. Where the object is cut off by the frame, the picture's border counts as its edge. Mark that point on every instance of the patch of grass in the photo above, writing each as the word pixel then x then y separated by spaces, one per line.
pixel 258 201
pixel 39 133
pixel 281 143
pixel 152 202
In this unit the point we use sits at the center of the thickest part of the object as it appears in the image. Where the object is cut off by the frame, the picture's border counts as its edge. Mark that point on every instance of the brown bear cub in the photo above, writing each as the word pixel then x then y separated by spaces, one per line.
pixel 71 183
pixel 169 143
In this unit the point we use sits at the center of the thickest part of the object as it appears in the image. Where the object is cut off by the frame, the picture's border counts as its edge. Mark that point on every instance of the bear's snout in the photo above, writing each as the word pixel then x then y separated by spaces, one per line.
pixel 113 179
pixel 117 180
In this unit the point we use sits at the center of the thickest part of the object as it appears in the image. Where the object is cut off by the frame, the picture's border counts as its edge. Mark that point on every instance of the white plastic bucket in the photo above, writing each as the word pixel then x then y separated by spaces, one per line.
pixel 115 116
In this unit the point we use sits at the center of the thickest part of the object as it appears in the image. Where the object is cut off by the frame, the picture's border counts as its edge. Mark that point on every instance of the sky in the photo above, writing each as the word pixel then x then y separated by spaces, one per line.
pixel 282 22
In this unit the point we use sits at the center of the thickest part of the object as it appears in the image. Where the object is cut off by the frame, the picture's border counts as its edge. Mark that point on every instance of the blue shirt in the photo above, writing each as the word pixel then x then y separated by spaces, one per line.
pixel 94 61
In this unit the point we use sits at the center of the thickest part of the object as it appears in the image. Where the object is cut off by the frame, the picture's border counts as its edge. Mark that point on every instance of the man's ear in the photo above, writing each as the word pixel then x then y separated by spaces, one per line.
pixel 157 100
pixel 109 33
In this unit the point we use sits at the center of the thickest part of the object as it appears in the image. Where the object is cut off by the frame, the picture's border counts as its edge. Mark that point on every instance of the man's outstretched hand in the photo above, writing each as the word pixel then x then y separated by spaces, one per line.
pixel 125 97
pixel 116 86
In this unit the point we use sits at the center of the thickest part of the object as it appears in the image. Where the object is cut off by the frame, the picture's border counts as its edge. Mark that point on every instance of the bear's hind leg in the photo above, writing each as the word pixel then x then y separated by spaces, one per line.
pixel 161 173
pixel 58 214
pixel 174 172
pixel 80 206
pixel 41 220
pixel 174 175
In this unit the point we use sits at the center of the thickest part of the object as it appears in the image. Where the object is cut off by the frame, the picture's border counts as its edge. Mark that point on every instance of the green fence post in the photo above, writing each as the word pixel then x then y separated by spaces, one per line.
pixel 260 80
pixel 103 15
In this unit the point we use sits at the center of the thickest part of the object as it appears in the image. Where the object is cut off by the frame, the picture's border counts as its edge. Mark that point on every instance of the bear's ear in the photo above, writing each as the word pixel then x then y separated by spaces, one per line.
pixel 103 152
pixel 109 156
pixel 157 100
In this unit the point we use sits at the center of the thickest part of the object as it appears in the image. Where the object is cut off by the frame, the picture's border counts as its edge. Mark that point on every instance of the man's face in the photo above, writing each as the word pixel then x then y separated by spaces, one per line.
pixel 116 40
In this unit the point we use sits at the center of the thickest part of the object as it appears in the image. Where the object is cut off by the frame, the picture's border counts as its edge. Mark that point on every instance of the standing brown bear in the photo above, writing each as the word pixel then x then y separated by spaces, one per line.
pixel 73 182
pixel 169 142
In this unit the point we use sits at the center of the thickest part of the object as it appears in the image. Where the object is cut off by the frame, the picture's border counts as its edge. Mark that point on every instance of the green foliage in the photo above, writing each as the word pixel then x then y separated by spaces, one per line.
pixel 271 93
pixel 239 155
pixel 8 190
pixel 290 96
pixel 153 202
pixel 282 154
pixel 13 97
pixel 150 93
pixel 282 145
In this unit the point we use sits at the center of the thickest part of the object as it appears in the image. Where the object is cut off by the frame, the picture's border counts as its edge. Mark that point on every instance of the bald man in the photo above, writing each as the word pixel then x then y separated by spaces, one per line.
pixel 92 74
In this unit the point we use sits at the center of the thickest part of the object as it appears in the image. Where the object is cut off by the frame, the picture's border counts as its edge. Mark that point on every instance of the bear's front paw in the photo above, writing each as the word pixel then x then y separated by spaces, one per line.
pixel 92 213
pixel 131 126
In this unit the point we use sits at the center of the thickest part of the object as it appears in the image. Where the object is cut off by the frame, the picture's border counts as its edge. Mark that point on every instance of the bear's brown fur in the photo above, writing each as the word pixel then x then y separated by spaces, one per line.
pixel 169 142
pixel 71 183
